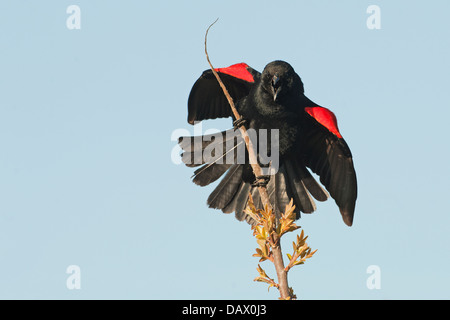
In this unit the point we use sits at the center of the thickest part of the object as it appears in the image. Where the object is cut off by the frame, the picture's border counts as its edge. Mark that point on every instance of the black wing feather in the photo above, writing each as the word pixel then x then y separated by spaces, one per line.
pixel 207 100
pixel 329 156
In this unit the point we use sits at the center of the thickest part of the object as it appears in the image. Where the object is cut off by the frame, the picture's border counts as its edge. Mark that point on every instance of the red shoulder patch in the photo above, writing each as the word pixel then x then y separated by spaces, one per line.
pixel 238 70
pixel 326 118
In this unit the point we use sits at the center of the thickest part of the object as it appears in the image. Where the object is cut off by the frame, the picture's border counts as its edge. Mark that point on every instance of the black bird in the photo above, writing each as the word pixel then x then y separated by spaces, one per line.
pixel 308 138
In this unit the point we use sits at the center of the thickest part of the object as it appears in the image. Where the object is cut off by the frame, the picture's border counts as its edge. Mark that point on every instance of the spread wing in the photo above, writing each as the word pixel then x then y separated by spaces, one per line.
pixel 327 154
pixel 207 100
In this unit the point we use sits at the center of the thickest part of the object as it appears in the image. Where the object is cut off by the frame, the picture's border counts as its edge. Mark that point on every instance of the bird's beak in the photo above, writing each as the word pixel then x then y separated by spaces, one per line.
pixel 275 86
pixel 275 81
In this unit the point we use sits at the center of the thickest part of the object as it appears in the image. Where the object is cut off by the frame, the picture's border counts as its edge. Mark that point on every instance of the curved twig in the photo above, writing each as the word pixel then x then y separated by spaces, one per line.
pixel 277 254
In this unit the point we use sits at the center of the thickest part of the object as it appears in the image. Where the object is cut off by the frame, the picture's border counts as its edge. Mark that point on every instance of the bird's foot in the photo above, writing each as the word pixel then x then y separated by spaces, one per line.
pixel 239 123
pixel 261 181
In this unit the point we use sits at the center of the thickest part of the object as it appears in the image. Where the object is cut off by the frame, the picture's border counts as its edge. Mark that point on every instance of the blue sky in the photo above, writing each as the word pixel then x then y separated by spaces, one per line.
pixel 86 177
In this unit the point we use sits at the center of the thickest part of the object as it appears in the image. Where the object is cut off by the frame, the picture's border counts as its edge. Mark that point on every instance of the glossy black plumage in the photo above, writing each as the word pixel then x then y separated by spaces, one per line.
pixel 206 99
pixel 272 100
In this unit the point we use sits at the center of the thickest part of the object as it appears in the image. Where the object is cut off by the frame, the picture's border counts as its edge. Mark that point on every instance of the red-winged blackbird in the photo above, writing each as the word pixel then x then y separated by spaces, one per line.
pixel 308 137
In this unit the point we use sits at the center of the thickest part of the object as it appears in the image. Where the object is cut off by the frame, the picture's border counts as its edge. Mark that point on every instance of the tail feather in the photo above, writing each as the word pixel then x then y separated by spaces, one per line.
pixel 216 144
pixel 257 198
pixel 243 198
pixel 209 173
pixel 240 201
pixel 198 143
pixel 231 195
pixel 299 191
pixel 243 201
pixel 281 193
pixel 293 180
pixel 290 181
pixel 231 206
pixel 298 169
pixel 227 188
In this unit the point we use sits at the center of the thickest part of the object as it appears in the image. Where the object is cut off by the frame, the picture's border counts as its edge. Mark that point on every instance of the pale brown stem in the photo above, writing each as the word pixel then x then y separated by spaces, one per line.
pixel 281 272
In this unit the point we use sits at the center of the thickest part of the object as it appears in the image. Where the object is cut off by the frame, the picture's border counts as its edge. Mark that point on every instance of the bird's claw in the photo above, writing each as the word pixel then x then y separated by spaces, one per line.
pixel 261 181
pixel 239 123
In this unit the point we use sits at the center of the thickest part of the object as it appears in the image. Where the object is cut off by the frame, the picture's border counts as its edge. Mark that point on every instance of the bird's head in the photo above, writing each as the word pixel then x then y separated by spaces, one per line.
pixel 279 80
